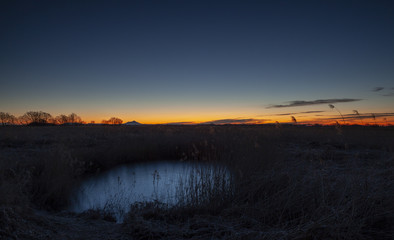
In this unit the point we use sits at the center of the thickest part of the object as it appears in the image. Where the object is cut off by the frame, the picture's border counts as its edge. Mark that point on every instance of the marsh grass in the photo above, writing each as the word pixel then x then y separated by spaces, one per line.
pixel 359 116
pixel 205 187
pixel 296 182
pixel 333 107
pixel 14 183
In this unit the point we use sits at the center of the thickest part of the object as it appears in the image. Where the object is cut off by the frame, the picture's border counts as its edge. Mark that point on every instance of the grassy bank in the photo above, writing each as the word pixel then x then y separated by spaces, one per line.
pixel 290 182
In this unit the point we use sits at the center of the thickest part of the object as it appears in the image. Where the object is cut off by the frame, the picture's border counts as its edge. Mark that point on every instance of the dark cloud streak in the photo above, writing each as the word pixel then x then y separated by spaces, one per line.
pixel 377 89
pixel 312 112
pixel 299 103
pixel 285 114
pixel 307 112
pixel 362 116
pixel 236 121
pixel 180 123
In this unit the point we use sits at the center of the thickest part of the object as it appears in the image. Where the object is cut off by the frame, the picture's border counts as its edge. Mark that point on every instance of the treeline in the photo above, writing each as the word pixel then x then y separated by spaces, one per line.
pixel 44 118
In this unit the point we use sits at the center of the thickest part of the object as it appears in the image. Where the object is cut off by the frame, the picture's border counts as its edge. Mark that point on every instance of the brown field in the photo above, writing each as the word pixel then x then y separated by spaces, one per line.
pixel 289 182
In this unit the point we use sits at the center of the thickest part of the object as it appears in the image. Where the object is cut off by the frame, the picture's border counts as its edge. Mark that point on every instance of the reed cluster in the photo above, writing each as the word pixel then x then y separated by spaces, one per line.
pixel 292 182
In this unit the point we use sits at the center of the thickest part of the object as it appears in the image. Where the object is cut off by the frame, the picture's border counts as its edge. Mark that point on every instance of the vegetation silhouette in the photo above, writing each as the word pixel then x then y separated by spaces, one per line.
pixel 7 119
pixel 113 121
pixel 292 182
pixel 333 107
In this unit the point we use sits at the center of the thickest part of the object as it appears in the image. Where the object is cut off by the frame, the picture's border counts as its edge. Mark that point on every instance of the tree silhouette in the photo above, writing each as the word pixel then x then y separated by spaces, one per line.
pixel 61 119
pixel 113 121
pixel 71 118
pixel 36 117
pixel 74 118
pixel 24 120
pixel 6 118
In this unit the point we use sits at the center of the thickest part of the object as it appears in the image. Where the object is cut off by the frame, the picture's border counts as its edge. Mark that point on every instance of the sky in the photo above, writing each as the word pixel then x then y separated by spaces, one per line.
pixel 199 61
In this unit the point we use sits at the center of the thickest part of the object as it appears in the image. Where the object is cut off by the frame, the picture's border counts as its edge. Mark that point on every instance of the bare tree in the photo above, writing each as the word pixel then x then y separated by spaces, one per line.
pixel 74 118
pixel 36 117
pixel 61 119
pixel 113 121
pixel 6 118
pixel 24 120
pixel 71 118
pixel 116 121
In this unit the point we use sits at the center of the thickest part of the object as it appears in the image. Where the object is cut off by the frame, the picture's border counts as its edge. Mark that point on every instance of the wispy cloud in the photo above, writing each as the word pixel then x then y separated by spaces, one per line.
pixel 313 112
pixel 181 123
pixel 236 121
pixel 307 112
pixel 299 103
pixel 384 91
pixel 362 116
pixel 284 114
pixel 368 115
pixel 377 89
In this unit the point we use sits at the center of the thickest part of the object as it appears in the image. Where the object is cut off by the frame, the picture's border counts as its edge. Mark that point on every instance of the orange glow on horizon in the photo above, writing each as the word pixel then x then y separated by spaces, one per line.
pixel 272 120
pixel 178 116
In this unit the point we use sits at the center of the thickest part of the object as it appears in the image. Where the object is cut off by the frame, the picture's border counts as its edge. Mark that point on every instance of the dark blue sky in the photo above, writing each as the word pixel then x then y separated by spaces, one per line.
pixel 159 61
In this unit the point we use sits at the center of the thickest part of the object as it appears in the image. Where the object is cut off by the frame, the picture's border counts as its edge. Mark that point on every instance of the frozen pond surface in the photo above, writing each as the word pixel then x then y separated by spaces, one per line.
pixel 162 181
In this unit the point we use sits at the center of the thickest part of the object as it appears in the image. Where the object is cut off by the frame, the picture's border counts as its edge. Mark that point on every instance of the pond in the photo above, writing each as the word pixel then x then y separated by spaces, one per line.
pixel 168 182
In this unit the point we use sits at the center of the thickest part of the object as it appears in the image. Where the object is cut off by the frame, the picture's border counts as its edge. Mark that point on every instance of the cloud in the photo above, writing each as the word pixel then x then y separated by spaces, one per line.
pixel 377 89
pixel 181 123
pixel 285 114
pixel 366 116
pixel 236 121
pixel 299 103
pixel 307 112
pixel 313 112
pixel 361 116
pixel 388 93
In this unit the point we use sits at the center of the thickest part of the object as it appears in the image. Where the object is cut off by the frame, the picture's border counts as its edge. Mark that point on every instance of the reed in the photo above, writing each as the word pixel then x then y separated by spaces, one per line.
pixel 358 114
pixel 333 107
pixel 299 184
pixel 374 118
pixel 293 119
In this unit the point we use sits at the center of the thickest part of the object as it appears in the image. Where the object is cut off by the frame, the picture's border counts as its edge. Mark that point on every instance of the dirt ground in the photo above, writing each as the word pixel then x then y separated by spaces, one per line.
pixel 40 225
pixel 63 226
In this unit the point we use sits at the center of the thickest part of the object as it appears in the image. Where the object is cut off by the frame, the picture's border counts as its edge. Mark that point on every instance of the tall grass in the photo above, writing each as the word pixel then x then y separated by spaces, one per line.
pixel 333 107
pixel 295 182
pixel 358 114
pixel 205 187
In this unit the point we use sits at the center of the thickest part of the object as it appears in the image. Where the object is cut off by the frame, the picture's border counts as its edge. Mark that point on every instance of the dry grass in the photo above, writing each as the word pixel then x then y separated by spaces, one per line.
pixel 292 182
